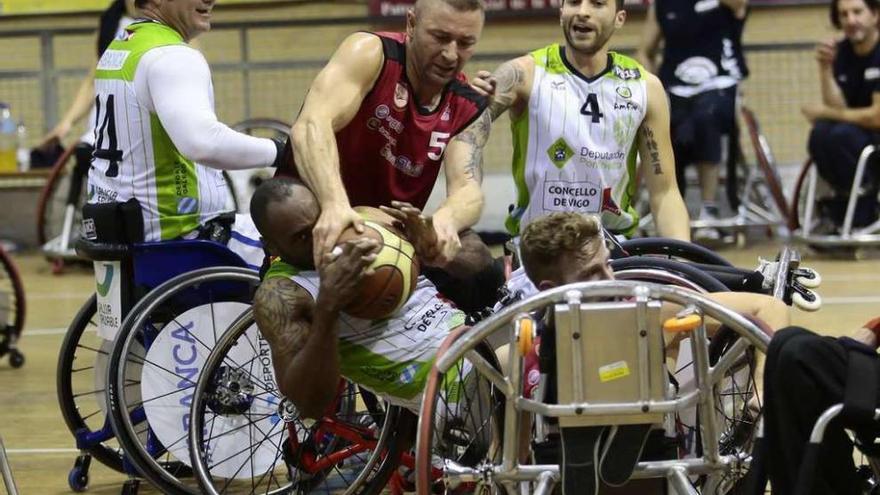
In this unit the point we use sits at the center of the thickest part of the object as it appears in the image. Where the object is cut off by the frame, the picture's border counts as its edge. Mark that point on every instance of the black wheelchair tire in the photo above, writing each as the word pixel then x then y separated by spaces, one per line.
pixel 682 269
pixel 662 246
pixel 64 387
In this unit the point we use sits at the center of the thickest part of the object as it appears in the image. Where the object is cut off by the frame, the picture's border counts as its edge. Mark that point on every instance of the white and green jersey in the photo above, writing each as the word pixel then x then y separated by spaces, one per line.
pixel 575 147
pixel 134 155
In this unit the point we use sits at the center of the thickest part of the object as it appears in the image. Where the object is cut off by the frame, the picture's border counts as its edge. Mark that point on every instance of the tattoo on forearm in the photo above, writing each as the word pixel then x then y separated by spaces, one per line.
pixel 281 310
pixel 507 78
pixel 476 137
pixel 653 150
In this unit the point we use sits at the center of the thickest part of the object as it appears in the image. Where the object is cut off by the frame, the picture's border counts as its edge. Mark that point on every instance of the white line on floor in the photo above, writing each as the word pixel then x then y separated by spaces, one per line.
pixel 43 296
pixel 850 299
pixel 41 451
pixel 47 331
pixel 850 278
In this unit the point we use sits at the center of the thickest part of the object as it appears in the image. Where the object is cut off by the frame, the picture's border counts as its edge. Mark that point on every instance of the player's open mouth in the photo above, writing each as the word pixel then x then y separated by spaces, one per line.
pixel 206 11
pixel 582 28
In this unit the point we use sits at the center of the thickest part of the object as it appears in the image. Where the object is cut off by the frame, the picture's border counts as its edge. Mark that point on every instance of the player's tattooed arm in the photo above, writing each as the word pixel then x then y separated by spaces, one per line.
pixel 303 344
pixel 473 140
pixel 658 161
pixel 649 142
pixel 509 79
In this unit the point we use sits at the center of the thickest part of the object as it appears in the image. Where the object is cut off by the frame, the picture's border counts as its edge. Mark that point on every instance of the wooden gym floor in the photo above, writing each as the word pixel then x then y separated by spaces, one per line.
pixel 41 450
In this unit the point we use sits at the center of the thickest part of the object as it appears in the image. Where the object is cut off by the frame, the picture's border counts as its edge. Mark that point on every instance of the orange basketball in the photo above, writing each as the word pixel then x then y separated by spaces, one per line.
pixel 396 271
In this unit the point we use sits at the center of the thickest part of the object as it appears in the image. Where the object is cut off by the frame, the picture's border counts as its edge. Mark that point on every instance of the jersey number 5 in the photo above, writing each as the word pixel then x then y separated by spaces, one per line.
pixel 591 108
pixel 105 132
pixel 438 141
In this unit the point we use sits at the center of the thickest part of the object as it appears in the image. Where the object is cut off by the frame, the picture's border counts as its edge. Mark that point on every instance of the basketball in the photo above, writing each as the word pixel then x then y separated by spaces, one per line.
pixel 395 272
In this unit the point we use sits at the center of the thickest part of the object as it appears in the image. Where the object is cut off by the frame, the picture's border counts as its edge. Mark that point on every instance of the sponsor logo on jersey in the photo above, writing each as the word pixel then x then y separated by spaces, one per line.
pixel 626 74
pixel 608 203
pixel 402 163
pixel 382 112
pixel 558 85
pixel 401 96
pixel 113 59
pixel 696 70
pixel 568 196
pixel 624 92
pixel 187 206
pixel 446 114
pixel 626 105
pixel 373 123
pixel 872 73
pixel 408 374
pixel 428 320
pixel 602 155
pixel 560 153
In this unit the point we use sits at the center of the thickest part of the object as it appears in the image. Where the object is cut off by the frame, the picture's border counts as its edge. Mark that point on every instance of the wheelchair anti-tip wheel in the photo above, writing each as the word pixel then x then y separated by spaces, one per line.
pixel 12 310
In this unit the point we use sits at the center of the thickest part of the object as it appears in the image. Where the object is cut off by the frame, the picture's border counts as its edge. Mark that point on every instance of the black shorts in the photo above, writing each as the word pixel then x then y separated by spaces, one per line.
pixel 697 124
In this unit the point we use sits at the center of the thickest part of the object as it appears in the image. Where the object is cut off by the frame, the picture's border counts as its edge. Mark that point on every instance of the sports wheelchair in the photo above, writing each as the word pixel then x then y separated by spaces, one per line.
pixel 807 223
pixel 619 381
pixel 127 272
pixel 232 388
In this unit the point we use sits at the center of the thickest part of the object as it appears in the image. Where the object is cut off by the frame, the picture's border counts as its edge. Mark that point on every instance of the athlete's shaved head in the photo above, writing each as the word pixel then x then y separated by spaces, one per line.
pixel 285 211
pixel 460 5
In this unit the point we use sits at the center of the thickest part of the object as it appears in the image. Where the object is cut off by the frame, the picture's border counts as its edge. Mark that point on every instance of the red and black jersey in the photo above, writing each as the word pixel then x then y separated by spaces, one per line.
pixel 392 149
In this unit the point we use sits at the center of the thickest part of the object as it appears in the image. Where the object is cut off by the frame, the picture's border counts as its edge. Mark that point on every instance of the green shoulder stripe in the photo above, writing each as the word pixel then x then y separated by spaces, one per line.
pixel 121 58
pixel 278 269
pixel 549 58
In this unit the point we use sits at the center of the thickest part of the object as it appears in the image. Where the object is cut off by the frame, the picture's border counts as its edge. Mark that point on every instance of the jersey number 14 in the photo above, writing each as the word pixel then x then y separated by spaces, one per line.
pixel 105 133
pixel 591 108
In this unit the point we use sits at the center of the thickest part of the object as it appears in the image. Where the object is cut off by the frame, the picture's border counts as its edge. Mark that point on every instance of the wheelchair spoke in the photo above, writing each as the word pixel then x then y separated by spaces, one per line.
pixel 93 392
pixel 96 351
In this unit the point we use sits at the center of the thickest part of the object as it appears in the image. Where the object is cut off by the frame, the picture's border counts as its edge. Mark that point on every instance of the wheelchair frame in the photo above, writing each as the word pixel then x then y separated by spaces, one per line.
pixel 863 236
pixel 509 472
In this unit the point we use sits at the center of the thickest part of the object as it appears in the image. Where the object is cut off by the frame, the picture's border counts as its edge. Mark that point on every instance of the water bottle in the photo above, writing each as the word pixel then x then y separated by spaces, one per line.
pixel 8 140
pixel 23 153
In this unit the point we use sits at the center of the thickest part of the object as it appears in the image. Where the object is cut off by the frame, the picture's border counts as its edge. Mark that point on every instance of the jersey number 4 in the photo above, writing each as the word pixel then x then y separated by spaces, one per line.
pixel 591 108
pixel 105 130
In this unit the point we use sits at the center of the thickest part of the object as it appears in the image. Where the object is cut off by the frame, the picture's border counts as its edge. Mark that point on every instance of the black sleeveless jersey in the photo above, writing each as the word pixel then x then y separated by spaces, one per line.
pixel 703 46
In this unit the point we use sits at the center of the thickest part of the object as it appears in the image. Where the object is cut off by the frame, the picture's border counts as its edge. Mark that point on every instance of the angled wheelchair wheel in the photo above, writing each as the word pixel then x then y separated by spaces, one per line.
pixel 247 438
pixel 155 362
pixel 81 388
pixel 671 249
pixel 461 421
pixel 52 204
pixel 12 310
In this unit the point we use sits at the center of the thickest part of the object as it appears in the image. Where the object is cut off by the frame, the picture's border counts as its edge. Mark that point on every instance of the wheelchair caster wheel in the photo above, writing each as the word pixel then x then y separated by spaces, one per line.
pixel 16 358
pixel 131 487
pixel 806 300
pixel 78 478
pixel 525 336
pixel 808 277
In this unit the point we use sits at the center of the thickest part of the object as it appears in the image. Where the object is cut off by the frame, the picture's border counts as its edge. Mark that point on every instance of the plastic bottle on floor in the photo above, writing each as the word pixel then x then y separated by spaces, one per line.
pixel 8 141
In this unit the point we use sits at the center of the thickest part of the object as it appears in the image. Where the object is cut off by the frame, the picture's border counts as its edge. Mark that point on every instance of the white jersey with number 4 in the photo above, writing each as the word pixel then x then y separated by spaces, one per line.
pixel 134 155
pixel 575 148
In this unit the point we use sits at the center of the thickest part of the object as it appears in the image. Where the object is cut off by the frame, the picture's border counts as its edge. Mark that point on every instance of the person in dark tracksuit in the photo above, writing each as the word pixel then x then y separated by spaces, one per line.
pixel 848 118
pixel 702 65
pixel 805 374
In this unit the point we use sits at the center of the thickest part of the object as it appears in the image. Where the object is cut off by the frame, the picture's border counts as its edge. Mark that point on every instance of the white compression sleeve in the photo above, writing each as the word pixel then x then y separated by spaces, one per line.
pixel 175 83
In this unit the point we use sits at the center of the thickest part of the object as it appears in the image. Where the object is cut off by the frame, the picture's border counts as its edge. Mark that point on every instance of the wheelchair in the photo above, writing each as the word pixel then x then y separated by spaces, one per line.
pixel 59 207
pixel 806 222
pixel 752 186
pixel 354 449
pixel 12 310
pixel 127 274
pixel 621 382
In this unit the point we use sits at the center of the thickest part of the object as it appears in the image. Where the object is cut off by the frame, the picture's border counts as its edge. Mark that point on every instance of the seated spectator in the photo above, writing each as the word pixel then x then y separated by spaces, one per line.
pixel 848 118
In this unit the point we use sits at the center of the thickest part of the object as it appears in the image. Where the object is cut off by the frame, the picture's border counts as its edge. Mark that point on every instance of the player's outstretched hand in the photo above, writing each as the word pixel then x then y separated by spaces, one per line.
pixel 418 228
pixel 342 269
pixel 331 223
pixel 484 83
pixel 448 242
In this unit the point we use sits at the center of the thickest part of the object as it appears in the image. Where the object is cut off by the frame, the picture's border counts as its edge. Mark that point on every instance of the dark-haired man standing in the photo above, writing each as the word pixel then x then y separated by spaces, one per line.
pixel 848 119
